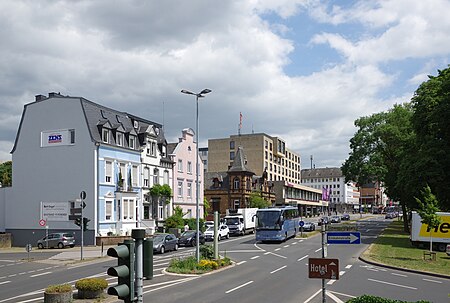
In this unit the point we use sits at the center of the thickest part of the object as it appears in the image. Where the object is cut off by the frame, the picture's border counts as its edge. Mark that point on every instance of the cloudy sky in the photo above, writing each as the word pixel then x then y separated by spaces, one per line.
pixel 302 70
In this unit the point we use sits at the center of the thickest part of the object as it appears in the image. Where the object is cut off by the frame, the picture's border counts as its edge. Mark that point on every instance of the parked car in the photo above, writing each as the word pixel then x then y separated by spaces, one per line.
pixel 345 217
pixel 60 240
pixel 448 250
pixel 164 242
pixel 389 216
pixel 188 238
pixel 335 219
pixel 324 220
pixel 309 226
pixel 209 224
pixel 223 232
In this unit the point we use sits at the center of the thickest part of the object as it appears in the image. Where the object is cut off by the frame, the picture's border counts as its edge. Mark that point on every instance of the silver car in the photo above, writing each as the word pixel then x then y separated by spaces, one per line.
pixel 59 240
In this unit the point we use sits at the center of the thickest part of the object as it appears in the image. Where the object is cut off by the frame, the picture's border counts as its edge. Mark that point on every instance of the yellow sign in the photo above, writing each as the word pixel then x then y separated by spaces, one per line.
pixel 442 231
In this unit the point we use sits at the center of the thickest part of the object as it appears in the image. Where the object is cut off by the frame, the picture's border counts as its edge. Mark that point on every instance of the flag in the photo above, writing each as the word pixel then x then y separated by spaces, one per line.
pixel 240 120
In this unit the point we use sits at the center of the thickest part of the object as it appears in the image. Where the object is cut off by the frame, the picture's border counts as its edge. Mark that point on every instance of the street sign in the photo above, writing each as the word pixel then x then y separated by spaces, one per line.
pixel 42 222
pixel 74 217
pixel 28 247
pixel 343 237
pixel 74 211
pixel 301 223
pixel 322 268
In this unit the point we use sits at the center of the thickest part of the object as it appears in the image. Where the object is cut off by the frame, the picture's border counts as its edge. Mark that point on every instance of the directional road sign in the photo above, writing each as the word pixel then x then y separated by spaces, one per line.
pixel 343 237
pixel 322 268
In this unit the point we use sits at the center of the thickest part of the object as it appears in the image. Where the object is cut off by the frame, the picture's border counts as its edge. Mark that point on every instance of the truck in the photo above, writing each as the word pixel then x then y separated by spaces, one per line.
pixel 420 232
pixel 240 221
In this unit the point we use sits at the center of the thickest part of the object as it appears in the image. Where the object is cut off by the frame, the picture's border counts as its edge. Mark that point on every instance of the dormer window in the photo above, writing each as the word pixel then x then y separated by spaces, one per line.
pixel 105 135
pixel 131 142
pixel 119 139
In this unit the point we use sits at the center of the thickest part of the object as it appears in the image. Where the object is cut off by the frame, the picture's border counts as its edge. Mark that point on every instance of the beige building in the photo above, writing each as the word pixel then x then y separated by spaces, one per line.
pixel 263 153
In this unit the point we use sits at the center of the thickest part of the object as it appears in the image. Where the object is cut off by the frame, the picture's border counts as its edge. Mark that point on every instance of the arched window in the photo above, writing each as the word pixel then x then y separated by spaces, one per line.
pixel 236 183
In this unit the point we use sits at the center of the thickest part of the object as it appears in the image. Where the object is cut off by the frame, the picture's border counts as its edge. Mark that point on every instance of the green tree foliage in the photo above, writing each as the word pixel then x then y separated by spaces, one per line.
pixel 256 201
pixel 6 173
pixel 431 121
pixel 206 206
pixel 427 211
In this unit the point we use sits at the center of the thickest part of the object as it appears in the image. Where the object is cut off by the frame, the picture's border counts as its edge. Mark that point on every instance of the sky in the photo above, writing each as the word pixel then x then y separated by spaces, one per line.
pixel 302 70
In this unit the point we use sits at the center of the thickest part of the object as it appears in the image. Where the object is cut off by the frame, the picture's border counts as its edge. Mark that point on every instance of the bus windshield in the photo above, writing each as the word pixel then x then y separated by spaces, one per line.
pixel 268 219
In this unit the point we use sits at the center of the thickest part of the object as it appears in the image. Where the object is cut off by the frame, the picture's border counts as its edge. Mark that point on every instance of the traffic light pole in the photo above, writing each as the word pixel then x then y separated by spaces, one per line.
pixel 138 235
pixel 324 255
pixel 82 231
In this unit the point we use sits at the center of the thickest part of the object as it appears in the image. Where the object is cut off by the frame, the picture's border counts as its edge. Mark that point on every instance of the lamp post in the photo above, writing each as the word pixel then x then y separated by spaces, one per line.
pixel 197 189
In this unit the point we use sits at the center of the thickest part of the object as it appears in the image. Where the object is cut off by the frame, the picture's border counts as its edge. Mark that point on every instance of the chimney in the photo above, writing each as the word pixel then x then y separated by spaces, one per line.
pixel 53 94
pixel 38 98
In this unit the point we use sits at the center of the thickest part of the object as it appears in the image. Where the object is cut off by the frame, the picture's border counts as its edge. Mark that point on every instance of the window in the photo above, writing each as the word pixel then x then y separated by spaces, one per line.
pixel 72 136
pixel 128 209
pixel 108 171
pixel 236 183
pixel 108 209
pixel 180 189
pixel 180 166
pixel 231 144
pixel 134 175
pixel 189 167
pixel 123 173
pixel 189 189
pixel 105 135
pixel 232 155
pixel 131 141
pixel 166 177
pixel 155 176
pixel 119 139
pixel 146 176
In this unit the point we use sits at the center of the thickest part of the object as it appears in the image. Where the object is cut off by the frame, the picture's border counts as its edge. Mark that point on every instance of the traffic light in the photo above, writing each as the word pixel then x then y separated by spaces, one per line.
pixel 85 223
pixel 77 221
pixel 124 271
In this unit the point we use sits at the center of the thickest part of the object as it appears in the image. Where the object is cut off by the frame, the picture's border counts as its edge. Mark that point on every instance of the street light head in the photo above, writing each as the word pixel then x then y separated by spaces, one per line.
pixel 187 92
pixel 205 91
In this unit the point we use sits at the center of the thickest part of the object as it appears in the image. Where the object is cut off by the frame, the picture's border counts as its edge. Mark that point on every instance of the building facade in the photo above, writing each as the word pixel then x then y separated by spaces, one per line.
pixel 183 154
pixel 343 196
pixel 264 154
pixel 66 145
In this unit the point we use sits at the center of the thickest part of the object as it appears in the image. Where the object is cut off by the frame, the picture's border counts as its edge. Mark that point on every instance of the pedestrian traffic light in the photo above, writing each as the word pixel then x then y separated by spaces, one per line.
pixel 85 223
pixel 124 271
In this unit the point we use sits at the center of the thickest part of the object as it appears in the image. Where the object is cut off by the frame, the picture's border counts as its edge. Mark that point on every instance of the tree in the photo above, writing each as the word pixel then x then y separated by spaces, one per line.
pixel 176 220
pixel 427 211
pixel 256 201
pixel 160 194
pixel 431 121
pixel 6 173
pixel 206 206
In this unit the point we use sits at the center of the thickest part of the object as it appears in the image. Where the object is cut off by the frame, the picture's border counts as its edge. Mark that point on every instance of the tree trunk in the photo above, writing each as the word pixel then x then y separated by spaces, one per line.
pixel 405 219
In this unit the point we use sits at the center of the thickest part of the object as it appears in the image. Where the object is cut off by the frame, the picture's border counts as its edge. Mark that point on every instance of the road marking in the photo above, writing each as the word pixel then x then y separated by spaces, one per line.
pixel 318 249
pixel 41 274
pixel 286 246
pixel 400 275
pixel 294 243
pixel 255 257
pixel 244 251
pixel 333 297
pixel 393 284
pixel 266 253
pixel 434 281
pixel 277 249
pixel 165 286
pixel 313 296
pixel 242 262
pixel 331 282
pixel 240 286
pixel 4 282
pixel 13 275
pixel 342 272
pixel 274 271
pixel 303 257
pixel 277 255
pixel 348 266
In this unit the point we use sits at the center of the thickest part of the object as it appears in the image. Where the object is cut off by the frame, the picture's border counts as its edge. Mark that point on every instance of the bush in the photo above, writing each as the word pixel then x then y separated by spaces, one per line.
pixel 207 264
pixel 59 288
pixel 374 299
pixel 207 252
pixel 91 284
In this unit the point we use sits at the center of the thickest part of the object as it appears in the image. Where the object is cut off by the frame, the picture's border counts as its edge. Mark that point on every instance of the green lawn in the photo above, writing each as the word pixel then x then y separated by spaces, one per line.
pixel 394 248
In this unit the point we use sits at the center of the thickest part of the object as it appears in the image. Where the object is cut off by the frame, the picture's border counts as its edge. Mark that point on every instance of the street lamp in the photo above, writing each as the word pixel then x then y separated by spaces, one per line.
pixel 197 242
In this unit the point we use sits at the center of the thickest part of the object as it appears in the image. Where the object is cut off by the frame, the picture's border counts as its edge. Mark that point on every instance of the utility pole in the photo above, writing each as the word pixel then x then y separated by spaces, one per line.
pixel 324 255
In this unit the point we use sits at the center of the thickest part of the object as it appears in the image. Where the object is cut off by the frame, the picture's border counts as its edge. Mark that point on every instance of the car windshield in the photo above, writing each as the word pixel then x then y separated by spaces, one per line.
pixel 158 238
pixel 232 221
pixel 210 229
pixel 188 234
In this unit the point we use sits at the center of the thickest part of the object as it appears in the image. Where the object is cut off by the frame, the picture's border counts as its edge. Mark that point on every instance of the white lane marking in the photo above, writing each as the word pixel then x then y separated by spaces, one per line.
pixel 313 296
pixel 277 255
pixel 400 275
pixel 348 266
pixel 255 257
pixel 4 282
pixel 342 272
pixel 244 251
pixel 274 271
pixel 242 262
pixel 277 249
pixel 304 257
pixel 300 241
pixel 331 282
pixel 333 297
pixel 294 243
pixel 434 281
pixel 286 246
pixel 166 282
pixel 341 294
pixel 13 275
pixel 393 284
pixel 318 249
pixel 240 286
pixel 266 253
pixel 173 284
pixel 372 269
pixel 41 274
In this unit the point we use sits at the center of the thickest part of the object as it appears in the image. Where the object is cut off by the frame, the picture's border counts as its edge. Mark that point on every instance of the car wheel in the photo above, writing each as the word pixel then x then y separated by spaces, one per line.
pixel 176 247
pixel 441 247
pixel 193 243
pixel 162 250
pixel 72 246
pixel 40 246
pixel 60 245
pixel 219 237
pixel 228 236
